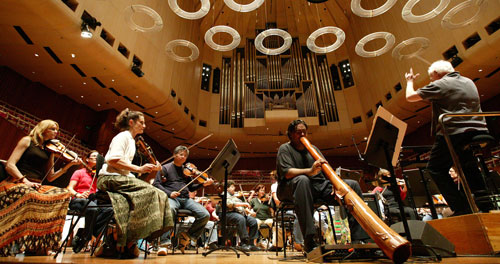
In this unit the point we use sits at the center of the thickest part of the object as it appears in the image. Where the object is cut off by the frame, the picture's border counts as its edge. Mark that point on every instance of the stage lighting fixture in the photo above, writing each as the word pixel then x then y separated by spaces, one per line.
pixel 85 31
pixel 137 70
pixel 316 1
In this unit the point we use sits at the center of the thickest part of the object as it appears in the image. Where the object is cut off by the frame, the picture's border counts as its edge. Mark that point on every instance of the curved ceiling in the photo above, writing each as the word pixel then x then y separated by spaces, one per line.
pixel 54 28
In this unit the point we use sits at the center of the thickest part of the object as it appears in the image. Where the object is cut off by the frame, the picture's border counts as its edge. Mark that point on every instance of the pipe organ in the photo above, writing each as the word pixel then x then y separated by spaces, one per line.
pixel 297 80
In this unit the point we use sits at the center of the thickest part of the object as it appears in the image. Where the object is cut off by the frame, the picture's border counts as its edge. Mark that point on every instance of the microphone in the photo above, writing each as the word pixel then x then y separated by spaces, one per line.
pixel 356 146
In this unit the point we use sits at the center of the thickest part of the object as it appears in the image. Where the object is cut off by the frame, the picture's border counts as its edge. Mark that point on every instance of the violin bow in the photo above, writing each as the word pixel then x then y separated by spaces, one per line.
pixel 199 141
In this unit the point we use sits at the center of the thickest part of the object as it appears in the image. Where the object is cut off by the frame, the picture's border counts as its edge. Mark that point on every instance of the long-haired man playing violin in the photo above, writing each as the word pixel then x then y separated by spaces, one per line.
pixel 171 180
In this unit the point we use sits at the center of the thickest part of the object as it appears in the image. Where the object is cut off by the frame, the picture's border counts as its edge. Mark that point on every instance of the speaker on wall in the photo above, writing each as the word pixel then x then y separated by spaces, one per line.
pixel 426 239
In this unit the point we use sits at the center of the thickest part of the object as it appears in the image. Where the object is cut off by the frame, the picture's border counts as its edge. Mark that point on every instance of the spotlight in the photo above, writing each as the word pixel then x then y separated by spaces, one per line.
pixel 85 31
pixel 137 70
pixel 316 1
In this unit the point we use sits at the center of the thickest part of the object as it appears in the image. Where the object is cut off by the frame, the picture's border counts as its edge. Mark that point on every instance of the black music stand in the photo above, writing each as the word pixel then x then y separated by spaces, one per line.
pixel 422 186
pixel 382 150
pixel 219 169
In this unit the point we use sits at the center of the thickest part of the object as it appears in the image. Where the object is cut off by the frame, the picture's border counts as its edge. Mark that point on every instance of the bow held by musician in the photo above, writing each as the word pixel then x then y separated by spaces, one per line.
pixel 22 194
pixel 237 215
pixel 172 180
pixel 128 193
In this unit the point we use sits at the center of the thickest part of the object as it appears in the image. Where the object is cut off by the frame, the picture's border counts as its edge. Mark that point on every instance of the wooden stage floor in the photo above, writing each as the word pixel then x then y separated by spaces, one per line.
pixel 222 257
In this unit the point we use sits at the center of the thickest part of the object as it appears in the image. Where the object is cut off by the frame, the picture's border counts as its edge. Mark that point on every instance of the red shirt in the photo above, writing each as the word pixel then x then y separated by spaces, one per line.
pixel 83 180
pixel 402 193
pixel 210 209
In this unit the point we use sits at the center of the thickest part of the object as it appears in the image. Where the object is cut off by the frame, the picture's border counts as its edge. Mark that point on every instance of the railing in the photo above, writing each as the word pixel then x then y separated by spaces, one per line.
pixel 454 156
pixel 26 122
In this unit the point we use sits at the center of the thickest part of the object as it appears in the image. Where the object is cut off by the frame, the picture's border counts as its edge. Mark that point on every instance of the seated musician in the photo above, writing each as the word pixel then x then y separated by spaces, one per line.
pixel 263 211
pixel 141 211
pixel 393 207
pixel 211 225
pixel 82 184
pixel 301 181
pixel 238 214
pixel 25 202
pixel 171 180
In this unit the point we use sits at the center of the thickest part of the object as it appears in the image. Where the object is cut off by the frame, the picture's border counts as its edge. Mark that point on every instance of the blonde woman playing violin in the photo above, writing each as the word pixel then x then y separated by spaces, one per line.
pixel 25 202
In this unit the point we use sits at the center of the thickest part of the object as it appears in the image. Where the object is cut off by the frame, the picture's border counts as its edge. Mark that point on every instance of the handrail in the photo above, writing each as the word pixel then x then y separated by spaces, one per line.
pixel 454 156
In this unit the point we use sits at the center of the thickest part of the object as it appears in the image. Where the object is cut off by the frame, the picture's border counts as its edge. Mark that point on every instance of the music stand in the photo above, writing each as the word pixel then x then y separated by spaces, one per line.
pixel 422 186
pixel 382 150
pixel 219 169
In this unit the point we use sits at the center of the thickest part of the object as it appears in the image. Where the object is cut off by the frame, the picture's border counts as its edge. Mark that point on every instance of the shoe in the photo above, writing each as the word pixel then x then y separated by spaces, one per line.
pixel 162 251
pixel 254 248
pixel 298 246
pixel 244 247
pixel 212 246
pixel 275 249
pixel 309 244
pixel 131 252
pixel 78 243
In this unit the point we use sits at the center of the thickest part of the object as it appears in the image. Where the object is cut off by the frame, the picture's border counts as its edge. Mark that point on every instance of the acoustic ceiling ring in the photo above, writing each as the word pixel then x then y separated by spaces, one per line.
pixel 423 42
pixel 408 16
pixel 446 21
pixel 217 29
pixel 169 49
pixel 133 9
pixel 205 7
pixel 311 40
pixel 358 10
pixel 273 32
pixel 243 8
pixel 389 39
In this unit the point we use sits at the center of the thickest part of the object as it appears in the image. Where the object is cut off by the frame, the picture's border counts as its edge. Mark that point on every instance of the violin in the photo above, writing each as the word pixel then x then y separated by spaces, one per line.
pixel 147 151
pixel 190 170
pixel 55 146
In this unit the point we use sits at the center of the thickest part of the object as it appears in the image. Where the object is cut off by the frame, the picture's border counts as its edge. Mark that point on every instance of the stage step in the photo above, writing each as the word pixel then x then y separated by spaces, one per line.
pixel 477 234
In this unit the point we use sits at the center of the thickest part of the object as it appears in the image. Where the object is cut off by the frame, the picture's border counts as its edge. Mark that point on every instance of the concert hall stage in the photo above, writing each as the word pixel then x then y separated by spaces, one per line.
pixel 221 258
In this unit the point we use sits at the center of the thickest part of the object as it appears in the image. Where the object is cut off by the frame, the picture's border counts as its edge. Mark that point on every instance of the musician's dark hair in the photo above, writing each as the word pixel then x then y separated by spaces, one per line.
pixel 292 127
pixel 181 148
pixel 260 186
pixel 122 120
pixel 90 153
pixel 230 182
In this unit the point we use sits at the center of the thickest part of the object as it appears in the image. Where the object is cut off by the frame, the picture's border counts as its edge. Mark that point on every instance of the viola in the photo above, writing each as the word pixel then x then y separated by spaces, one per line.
pixel 190 170
pixel 147 151
pixel 55 146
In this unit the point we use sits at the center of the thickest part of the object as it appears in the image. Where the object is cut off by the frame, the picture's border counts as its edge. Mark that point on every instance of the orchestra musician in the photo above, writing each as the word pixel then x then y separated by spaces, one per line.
pixel 302 181
pixel 141 211
pixel 263 211
pixel 449 92
pixel 238 215
pixel 171 179
pixel 81 185
pixel 25 202
pixel 211 225
pixel 392 205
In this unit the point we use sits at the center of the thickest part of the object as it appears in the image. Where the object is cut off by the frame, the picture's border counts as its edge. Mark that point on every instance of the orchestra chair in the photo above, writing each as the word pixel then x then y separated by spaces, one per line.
pixel 477 145
pixel 287 220
pixel 181 214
